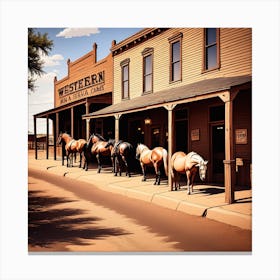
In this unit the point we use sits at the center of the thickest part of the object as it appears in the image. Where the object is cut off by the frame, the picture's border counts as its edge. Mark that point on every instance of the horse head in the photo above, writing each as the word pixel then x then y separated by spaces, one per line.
pixel 140 148
pixel 59 138
pixel 63 136
pixel 111 142
pixel 202 167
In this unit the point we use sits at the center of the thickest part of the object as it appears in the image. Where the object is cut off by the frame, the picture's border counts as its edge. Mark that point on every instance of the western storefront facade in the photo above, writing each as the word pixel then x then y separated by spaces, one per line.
pixel 87 88
pixel 187 89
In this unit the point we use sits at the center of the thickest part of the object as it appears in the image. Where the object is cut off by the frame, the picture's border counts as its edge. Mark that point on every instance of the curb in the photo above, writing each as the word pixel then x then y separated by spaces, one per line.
pixel 157 197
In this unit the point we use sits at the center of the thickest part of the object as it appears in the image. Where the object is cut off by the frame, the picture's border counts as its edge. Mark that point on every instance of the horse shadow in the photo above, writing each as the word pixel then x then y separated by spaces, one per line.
pixel 48 226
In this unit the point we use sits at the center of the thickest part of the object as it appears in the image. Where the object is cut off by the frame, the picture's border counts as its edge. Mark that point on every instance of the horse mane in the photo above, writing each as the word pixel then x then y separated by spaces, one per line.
pixel 99 136
pixel 194 156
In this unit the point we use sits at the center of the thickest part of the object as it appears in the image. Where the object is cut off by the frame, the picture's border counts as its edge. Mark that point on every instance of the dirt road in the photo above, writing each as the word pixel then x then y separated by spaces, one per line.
pixel 69 215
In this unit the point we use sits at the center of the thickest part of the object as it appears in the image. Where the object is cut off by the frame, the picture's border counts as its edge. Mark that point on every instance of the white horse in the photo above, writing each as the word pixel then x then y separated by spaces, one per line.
pixel 187 164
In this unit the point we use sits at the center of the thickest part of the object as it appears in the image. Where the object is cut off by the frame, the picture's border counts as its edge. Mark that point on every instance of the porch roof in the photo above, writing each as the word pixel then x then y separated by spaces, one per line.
pixel 174 95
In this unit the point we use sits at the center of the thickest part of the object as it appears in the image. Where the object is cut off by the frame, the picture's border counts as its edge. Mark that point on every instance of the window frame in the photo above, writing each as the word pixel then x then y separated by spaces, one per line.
pixel 172 40
pixel 123 64
pixel 205 47
pixel 146 53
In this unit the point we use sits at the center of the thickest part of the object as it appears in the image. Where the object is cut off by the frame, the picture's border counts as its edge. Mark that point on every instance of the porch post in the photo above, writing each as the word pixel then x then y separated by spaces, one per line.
pixel 229 162
pixel 117 127
pixel 54 136
pixel 87 120
pixel 72 122
pixel 47 138
pixel 170 108
pixel 35 137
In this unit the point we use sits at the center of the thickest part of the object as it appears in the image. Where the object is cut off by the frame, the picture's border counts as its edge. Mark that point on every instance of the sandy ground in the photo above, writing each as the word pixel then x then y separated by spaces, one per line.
pixel 61 221
pixel 70 215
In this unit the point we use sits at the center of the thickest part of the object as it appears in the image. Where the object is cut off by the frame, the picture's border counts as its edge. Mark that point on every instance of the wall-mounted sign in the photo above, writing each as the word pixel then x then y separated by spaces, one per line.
pixel 82 88
pixel 241 136
pixel 195 134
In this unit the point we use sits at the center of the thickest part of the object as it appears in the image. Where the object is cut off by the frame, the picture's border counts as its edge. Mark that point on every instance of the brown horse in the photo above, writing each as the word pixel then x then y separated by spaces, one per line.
pixel 121 152
pixel 70 147
pixel 97 146
pixel 155 158
pixel 187 164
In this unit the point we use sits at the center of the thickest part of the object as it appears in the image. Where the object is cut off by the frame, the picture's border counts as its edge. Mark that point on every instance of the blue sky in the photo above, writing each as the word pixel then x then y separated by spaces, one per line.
pixel 69 43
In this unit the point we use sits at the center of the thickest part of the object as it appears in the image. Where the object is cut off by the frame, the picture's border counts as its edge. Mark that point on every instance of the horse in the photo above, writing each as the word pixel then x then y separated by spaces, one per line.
pixel 70 146
pixel 155 157
pixel 188 164
pixel 121 152
pixel 96 145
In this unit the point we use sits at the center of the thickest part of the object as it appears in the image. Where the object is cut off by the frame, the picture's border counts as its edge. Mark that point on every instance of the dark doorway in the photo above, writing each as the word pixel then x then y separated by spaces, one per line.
pixel 136 132
pixel 218 152
pixel 181 130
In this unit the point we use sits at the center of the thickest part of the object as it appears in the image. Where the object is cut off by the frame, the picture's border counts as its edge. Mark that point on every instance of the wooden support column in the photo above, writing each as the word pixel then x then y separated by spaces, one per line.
pixel 117 127
pixel 72 122
pixel 170 108
pixel 87 121
pixel 55 135
pixel 47 138
pixel 35 137
pixel 229 162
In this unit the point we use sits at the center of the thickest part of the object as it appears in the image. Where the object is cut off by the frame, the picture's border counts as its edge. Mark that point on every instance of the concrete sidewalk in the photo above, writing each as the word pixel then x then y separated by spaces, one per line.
pixel 207 201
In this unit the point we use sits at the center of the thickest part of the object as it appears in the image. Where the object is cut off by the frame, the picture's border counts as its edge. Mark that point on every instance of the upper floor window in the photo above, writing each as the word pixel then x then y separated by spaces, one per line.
pixel 176 58
pixel 147 70
pixel 211 49
pixel 125 79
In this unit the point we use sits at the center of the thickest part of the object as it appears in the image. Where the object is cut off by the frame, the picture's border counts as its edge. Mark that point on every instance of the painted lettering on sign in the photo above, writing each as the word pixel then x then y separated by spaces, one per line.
pixel 82 88
pixel 86 82
pixel 81 94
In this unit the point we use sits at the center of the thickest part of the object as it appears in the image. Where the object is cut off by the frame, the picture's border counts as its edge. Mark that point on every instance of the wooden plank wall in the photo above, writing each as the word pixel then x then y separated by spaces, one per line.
pixel 235 49
pixel 83 67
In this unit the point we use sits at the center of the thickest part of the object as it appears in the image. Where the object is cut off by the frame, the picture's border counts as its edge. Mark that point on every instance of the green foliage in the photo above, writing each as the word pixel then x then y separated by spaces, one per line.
pixel 37 44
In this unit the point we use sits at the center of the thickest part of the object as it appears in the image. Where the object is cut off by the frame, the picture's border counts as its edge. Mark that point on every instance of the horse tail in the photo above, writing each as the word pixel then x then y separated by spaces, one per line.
pixel 164 157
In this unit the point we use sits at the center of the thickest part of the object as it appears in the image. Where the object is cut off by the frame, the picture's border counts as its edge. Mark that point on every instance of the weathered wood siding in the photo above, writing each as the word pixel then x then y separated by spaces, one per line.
pixel 235 58
pixel 81 68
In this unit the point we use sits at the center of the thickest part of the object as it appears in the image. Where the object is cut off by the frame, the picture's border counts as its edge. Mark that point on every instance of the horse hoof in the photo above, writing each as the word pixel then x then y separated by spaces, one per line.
pixel 116 174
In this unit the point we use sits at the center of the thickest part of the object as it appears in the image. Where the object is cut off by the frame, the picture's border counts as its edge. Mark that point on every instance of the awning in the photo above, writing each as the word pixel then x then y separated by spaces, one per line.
pixel 181 94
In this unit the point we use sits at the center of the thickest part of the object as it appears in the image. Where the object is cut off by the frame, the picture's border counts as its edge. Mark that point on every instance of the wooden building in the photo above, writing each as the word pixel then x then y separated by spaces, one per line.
pixel 87 88
pixel 187 89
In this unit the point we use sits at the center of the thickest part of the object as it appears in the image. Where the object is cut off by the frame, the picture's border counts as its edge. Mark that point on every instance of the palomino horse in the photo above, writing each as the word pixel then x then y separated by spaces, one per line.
pixel 154 157
pixel 187 164
pixel 97 146
pixel 121 152
pixel 71 146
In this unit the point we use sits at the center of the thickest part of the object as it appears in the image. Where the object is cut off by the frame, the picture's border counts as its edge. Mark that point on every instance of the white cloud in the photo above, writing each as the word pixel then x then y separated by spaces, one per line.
pixel 52 60
pixel 77 32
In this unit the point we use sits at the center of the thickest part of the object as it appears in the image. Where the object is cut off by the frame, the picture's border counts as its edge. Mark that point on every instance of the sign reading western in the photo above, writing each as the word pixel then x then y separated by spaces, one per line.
pixel 82 88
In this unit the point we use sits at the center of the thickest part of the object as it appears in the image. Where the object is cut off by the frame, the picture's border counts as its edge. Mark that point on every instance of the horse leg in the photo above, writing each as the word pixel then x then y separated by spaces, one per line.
pixel 126 166
pixel 119 164
pixel 144 172
pixel 157 171
pixel 80 165
pixel 188 173
pixel 116 165
pixel 174 180
pixel 98 162
pixel 87 159
pixel 67 159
